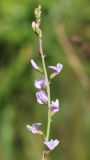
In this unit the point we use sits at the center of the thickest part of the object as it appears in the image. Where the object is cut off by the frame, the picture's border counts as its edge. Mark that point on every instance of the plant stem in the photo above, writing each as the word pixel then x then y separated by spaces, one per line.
pixel 48 87
pixel 43 157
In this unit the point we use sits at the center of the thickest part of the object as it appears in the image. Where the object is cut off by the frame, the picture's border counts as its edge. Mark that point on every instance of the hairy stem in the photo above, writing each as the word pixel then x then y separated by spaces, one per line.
pixel 48 87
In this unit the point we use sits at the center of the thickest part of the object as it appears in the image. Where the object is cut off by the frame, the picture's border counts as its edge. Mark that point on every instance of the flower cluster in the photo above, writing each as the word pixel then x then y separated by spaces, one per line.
pixel 40 83
pixel 43 85
pixel 42 98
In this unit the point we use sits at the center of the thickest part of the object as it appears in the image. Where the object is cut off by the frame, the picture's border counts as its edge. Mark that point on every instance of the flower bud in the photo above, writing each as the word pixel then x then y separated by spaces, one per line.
pixel 38 12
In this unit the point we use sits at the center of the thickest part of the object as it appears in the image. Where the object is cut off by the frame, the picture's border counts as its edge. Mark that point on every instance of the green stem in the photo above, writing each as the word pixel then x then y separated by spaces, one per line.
pixel 43 157
pixel 48 87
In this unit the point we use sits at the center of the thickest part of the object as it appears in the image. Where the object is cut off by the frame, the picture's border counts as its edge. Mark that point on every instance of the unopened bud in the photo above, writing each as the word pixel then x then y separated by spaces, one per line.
pixel 38 12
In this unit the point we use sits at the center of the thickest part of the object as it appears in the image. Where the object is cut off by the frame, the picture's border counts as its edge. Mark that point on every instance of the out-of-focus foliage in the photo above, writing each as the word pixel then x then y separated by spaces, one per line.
pixel 66 31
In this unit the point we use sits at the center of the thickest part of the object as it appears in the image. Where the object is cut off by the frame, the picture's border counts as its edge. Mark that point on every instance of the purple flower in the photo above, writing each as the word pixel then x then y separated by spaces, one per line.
pixel 56 68
pixel 40 83
pixel 34 128
pixel 54 106
pixel 41 97
pixel 34 65
pixel 51 144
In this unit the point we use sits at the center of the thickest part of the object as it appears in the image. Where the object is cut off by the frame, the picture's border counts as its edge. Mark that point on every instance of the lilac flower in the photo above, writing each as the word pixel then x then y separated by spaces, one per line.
pixel 54 106
pixel 56 68
pixel 34 128
pixel 40 83
pixel 34 65
pixel 51 144
pixel 41 97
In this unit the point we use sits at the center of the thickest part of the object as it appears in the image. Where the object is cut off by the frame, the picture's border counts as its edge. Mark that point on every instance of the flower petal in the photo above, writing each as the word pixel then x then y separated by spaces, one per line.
pixel 40 83
pixel 34 65
pixel 41 97
pixel 51 144
pixel 53 68
pixel 34 128
pixel 59 67
pixel 54 106
pixel 56 68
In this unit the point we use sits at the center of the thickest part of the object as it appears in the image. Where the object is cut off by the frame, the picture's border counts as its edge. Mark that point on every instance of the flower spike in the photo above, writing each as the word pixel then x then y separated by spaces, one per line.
pixel 43 96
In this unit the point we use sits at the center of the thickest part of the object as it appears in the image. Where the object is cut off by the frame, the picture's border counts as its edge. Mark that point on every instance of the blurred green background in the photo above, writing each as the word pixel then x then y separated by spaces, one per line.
pixel 66 36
